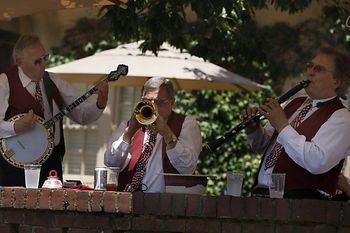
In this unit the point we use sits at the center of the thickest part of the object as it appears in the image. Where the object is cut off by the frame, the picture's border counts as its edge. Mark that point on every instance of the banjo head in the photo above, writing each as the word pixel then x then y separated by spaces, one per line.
pixel 30 147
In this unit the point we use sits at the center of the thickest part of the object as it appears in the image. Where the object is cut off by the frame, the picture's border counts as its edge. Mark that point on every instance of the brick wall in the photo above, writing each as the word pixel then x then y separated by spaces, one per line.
pixel 74 211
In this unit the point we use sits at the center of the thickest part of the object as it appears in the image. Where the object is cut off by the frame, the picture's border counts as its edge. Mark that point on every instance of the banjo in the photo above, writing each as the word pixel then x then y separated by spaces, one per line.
pixel 19 150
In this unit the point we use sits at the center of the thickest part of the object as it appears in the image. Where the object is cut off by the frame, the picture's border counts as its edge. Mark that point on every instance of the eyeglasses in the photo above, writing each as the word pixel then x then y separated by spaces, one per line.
pixel 158 102
pixel 40 60
pixel 317 68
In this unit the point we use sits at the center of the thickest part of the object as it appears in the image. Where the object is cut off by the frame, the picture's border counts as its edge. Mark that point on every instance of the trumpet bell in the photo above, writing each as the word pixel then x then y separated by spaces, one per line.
pixel 146 112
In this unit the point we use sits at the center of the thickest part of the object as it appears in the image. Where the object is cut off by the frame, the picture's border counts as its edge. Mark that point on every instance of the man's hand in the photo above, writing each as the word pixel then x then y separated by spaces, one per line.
pixel 102 95
pixel 247 114
pixel 26 122
pixel 133 126
pixel 273 111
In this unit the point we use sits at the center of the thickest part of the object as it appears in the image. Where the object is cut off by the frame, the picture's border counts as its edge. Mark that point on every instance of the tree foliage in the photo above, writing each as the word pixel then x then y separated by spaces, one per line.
pixel 223 32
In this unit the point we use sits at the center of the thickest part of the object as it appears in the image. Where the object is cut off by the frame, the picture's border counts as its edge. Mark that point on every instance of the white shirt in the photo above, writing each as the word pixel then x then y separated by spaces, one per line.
pixel 183 156
pixel 83 114
pixel 326 149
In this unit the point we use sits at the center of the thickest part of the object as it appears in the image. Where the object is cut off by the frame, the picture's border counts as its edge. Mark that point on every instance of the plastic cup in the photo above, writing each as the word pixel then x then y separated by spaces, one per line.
pixel 234 184
pixel 276 185
pixel 112 180
pixel 32 175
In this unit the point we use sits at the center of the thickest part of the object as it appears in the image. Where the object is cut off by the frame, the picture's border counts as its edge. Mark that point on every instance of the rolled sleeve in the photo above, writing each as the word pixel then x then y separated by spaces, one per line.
pixel 184 156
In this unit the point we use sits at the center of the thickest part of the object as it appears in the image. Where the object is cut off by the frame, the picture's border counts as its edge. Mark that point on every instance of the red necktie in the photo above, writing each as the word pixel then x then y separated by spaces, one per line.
pixel 140 168
pixel 276 151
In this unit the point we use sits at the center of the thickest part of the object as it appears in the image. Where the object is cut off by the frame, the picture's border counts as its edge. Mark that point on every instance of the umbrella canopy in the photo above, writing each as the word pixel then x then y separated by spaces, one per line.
pixel 186 71
pixel 15 8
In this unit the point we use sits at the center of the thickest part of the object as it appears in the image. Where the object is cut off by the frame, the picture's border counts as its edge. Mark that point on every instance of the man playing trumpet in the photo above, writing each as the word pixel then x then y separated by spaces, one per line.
pixel 146 146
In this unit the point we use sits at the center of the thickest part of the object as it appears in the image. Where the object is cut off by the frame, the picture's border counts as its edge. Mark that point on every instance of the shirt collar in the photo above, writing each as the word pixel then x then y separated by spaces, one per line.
pixel 318 103
pixel 25 80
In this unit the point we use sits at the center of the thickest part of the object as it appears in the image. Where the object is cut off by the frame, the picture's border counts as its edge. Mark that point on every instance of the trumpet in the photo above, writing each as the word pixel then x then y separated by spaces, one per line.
pixel 146 112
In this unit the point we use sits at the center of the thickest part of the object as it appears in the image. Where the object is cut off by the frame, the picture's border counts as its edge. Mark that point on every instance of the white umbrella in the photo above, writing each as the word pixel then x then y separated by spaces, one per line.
pixel 15 8
pixel 186 71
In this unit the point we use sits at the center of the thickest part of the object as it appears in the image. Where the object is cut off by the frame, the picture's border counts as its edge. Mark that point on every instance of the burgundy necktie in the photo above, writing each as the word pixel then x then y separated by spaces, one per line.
pixel 140 168
pixel 38 95
pixel 276 151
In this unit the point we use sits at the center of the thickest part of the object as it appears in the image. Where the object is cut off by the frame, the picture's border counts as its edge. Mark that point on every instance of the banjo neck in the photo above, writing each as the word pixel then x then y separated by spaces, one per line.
pixel 113 76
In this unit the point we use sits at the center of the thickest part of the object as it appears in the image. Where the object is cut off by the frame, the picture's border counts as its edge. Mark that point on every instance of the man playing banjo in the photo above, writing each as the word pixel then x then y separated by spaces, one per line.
pixel 29 92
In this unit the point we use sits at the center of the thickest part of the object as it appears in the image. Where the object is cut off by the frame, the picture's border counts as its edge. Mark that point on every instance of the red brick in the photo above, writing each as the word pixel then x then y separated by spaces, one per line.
pixel 145 223
pixel 121 223
pixel 44 199
pixel 7 198
pixel 75 230
pixel 343 229
pixel 7 229
pixel 83 201
pixel 165 204
pixel 252 207
pixel 55 230
pixel 237 207
pixel 57 200
pixel 173 225
pixel 178 205
pixel 151 203
pixel 345 220
pixel 333 210
pixel 124 202
pixel 231 227
pixel 96 201
pixel 323 228
pixel 39 218
pixel 71 199
pixel 259 228
pixel 203 226
pixel 13 216
pixel 24 229
pixel 224 209
pixel 32 198
pixel 2 190
pixel 282 209
pixel 90 221
pixel 193 205
pixel 137 203
pixel 208 206
pixel 268 207
pixel 109 202
pixel 19 198
pixel 309 210
pixel 285 229
pixel 64 219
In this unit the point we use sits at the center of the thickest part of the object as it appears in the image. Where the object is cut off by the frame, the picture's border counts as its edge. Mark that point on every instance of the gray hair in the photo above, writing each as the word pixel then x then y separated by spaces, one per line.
pixel 25 41
pixel 158 82
pixel 342 68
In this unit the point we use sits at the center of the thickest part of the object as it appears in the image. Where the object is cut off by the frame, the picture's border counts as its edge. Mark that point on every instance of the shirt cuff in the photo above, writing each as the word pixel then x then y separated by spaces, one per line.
pixel 284 136
pixel 8 127
pixel 100 107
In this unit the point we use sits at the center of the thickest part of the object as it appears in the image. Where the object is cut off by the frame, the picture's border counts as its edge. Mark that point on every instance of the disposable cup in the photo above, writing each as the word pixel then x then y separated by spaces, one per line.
pixel 32 175
pixel 234 184
pixel 276 185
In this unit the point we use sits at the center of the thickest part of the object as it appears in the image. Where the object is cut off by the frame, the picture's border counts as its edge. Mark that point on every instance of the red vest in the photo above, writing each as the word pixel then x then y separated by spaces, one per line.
pixel 21 101
pixel 296 176
pixel 175 122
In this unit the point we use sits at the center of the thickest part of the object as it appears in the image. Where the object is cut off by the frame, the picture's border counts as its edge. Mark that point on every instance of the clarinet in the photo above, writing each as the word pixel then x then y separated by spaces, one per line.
pixel 212 146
